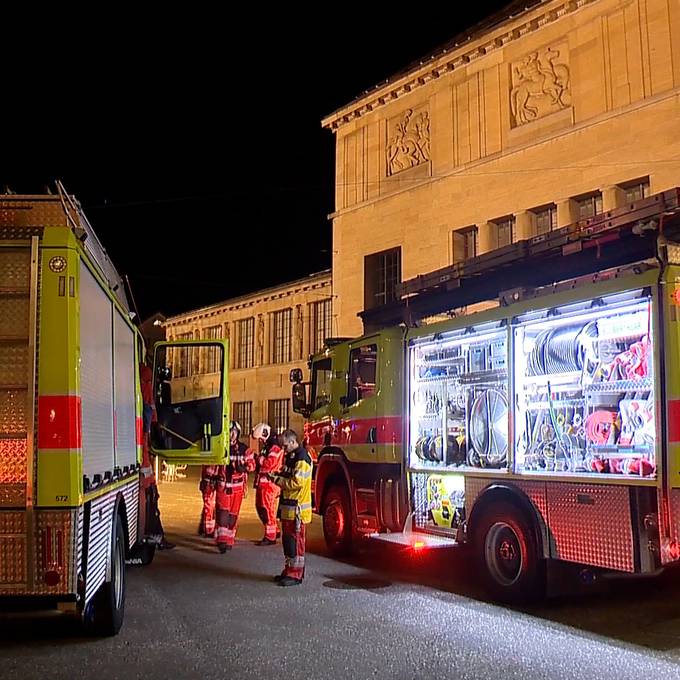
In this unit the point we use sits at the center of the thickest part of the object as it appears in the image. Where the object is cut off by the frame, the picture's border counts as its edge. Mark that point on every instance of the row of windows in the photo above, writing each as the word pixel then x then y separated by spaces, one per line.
pixel 280 339
pixel 544 219
pixel 382 271
pixel 278 415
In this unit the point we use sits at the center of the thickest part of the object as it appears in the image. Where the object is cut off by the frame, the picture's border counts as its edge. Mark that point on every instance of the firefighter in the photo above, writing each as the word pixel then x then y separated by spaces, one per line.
pixel 154 527
pixel 210 476
pixel 231 487
pixel 295 482
pixel 267 493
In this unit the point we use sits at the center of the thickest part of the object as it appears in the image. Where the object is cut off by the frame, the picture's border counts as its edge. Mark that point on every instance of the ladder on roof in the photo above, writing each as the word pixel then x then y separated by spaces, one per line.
pixel 612 239
pixel 91 243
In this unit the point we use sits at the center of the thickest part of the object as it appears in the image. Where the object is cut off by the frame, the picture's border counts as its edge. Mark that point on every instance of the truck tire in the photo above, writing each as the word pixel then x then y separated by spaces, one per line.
pixel 108 606
pixel 508 556
pixel 337 521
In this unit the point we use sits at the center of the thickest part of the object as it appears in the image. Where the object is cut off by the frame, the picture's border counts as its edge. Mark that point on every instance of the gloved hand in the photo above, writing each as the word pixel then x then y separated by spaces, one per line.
pixel 203 486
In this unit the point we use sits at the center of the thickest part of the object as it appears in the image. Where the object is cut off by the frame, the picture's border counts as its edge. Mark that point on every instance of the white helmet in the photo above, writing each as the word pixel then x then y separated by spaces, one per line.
pixel 262 431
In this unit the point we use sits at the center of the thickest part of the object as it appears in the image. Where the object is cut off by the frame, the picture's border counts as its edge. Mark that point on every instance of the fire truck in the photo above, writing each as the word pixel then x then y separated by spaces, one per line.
pixel 71 434
pixel 525 402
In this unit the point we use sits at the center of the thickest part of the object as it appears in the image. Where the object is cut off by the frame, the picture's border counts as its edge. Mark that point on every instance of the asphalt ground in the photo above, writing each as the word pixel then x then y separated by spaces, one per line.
pixel 386 613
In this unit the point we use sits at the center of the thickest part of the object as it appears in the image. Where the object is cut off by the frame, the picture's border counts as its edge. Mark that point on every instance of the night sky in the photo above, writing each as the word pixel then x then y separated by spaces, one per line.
pixel 194 142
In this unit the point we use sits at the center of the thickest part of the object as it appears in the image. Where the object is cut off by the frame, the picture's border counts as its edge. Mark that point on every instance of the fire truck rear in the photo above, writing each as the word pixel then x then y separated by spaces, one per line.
pixel 71 436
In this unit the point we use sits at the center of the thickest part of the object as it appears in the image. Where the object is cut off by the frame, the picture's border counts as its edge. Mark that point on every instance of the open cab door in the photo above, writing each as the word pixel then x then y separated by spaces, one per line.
pixel 192 402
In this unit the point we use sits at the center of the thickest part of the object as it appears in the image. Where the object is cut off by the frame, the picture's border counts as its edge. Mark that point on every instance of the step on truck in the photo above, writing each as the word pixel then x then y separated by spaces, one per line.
pixel 72 508
pixel 543 427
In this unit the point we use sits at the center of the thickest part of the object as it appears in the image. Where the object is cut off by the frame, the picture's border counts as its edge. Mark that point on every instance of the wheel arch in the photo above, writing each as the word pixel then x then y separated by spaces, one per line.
pixel 513 495
pixel 331 468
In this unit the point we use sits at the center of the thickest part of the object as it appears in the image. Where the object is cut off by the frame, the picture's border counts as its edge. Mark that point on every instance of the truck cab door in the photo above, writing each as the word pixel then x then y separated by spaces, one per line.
pixel 191 397
pixel 358 422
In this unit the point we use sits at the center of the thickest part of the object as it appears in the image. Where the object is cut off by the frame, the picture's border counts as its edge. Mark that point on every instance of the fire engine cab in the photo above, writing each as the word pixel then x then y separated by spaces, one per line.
pixel 537 420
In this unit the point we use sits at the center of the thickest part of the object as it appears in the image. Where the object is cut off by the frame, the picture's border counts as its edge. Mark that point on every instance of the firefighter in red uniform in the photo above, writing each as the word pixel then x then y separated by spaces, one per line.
pixel 267 493
pixel 230 488
pixel 296 507
pixel 210 476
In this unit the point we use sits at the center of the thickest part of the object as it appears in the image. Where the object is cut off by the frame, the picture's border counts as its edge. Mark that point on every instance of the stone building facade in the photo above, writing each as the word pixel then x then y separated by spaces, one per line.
pixel 270 331
pixel 547 115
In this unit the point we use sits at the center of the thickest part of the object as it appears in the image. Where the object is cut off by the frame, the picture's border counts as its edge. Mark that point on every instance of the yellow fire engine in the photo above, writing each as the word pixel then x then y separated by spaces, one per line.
pixel 543 428
pixel 71 434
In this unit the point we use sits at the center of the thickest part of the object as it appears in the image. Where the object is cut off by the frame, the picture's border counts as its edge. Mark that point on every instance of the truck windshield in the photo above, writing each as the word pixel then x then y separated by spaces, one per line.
pixel 321 384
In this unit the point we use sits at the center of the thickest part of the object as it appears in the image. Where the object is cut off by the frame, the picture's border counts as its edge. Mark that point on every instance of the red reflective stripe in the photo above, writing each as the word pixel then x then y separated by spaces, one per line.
pixel 388 430
pixel 140 430
pixel 674 420
pixel 60 422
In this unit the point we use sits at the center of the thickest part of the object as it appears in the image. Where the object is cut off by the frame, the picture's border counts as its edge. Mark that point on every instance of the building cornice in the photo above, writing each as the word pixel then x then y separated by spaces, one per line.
pixel 453 58
pixel 312 282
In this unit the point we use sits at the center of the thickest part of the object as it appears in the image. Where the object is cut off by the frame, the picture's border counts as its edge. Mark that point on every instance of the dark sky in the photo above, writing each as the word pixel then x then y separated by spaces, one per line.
pixel 194 141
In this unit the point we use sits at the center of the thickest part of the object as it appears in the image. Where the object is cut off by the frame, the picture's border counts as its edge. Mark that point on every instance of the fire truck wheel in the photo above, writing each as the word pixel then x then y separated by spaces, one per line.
pixel 337 521
pixel 506 548
pixel 109 602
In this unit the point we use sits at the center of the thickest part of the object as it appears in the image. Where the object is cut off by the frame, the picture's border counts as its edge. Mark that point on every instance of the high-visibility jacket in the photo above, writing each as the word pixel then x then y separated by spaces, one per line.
pixel 296 486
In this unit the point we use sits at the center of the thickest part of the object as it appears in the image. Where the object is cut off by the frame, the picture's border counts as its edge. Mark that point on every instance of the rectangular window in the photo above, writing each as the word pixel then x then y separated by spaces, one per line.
pixel 362 373
pixel 382 273
pixel 320 326
pixel 180 357
pixel 588 205
pixel 545 218
pixel 464 242
pixel 636 189
pixel 281 324
pixel 503 231
pixel 245 347
pixel 211 354
pixel 242 412
pixel 278 414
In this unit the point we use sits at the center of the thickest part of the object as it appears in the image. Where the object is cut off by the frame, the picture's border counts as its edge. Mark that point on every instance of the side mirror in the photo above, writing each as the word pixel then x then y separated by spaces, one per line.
pixel 295 375
pixel 300 399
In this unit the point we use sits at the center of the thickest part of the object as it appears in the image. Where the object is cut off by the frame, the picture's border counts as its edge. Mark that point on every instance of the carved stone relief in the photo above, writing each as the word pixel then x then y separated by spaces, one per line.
pixel 540 85
pixel 408 141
